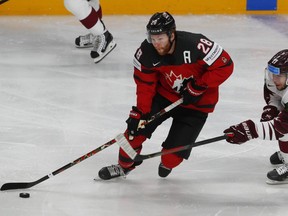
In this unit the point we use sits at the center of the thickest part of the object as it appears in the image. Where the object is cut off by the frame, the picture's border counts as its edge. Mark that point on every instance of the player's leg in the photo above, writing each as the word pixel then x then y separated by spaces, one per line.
pixel 279 175
pixel 89 13
pixel 125 163
pixel 280 157
pixel 186 126
pixel 89 17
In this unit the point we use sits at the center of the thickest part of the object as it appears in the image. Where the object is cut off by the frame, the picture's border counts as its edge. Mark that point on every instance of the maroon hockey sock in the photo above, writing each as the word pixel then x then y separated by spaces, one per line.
pixel 283 146
pixel 99 12
pixel 91 19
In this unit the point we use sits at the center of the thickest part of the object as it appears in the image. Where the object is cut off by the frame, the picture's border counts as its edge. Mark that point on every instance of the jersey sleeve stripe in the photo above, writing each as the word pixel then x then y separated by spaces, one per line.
pixel 142 81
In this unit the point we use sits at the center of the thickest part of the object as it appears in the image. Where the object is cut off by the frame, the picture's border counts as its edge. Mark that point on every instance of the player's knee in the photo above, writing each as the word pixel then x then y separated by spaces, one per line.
pixel 170 160
pixel 70 5
pixel 77 7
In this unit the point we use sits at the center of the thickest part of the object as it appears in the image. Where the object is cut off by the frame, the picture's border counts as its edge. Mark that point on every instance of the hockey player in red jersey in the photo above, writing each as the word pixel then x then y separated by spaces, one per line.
pixel 89 13
pixel 169 65
pixel 274 119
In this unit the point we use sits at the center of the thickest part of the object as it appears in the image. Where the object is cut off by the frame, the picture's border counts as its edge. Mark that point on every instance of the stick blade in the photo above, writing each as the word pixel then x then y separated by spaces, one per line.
pixel 15 185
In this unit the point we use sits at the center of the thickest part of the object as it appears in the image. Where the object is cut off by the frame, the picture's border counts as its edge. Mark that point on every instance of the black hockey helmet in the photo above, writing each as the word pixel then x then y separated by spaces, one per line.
pixel 279 63
pixel 160 22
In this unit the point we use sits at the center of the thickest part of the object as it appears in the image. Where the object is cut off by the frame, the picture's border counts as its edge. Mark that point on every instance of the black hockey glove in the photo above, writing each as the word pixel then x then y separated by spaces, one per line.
pixel 136 121
pixel 269 113
pixel 193 92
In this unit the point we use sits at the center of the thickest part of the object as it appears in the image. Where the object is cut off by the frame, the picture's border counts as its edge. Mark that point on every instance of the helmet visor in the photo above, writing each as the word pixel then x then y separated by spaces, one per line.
pixel 273 70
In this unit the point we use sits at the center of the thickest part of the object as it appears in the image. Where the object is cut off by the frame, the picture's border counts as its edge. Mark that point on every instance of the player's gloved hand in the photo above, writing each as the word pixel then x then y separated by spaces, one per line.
pixel 241 132
pixel 193 92
pixel 269 113
pixel 136 121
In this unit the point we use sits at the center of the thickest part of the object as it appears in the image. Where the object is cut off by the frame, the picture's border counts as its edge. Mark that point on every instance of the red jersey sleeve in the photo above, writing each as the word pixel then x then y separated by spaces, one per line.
pixel 146 81
pixel 219 70
pixel 145 90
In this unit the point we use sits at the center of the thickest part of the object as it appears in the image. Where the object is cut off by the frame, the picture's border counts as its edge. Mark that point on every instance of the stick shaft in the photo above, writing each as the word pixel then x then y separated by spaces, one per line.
pixel 24 185
pixel 165 110
pixel 178 149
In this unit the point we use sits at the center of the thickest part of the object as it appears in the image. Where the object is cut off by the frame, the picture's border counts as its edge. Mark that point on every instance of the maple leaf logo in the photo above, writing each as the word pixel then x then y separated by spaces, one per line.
pixel 176 82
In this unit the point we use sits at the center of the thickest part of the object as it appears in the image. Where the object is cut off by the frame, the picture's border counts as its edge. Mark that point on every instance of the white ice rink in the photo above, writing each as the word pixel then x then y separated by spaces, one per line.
pixel 56 105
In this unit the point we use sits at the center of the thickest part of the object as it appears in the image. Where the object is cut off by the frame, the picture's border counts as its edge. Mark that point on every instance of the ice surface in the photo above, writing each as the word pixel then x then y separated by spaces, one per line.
pixel 56 105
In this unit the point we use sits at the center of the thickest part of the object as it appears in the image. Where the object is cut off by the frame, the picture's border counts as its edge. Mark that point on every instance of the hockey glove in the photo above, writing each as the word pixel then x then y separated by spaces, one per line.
pixel 269 113
pixel 193 92
pixel 242 132
pixel 135 122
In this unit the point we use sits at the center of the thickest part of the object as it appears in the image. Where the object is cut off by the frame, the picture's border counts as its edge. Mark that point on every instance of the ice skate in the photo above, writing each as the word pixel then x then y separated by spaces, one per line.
pixel 277 158
pixel 278 175
pixel 103 45
pixel 163 171
pixel 85 41
pixel 113 171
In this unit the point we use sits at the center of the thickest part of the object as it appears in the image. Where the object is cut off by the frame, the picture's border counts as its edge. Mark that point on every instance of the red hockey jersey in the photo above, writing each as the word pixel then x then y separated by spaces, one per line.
pixel 195 56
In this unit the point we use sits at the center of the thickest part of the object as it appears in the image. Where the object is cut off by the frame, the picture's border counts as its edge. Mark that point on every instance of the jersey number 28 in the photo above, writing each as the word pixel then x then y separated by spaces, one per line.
pixel 204 45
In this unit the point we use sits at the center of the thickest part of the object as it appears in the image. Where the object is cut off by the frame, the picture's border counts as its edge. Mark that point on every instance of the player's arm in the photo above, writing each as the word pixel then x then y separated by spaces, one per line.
pixel 275 129
pixel 146 80
pixel 218 67
pixel 218 63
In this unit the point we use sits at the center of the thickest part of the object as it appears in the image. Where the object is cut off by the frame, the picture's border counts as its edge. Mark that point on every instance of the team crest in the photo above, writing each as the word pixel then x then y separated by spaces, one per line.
pixel 176 82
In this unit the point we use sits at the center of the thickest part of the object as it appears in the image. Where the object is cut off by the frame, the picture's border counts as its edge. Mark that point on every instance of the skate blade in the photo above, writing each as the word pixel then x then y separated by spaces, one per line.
pixel 100 179
pixel 110 47
pixel 272 182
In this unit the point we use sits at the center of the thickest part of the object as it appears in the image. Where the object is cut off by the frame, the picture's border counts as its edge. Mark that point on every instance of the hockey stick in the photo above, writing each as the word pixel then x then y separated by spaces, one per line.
pixel 24 185
pixel 139 157
pixel 124 143
pixel 165 110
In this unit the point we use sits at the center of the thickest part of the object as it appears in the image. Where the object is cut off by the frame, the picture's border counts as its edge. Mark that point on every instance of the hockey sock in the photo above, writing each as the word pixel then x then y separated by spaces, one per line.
pixel 171 160
pixel 95 4
pixel 283 146
pixel 91 19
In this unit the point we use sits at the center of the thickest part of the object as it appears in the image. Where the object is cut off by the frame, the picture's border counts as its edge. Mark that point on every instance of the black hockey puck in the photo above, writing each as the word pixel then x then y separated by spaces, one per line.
pixel 24 195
